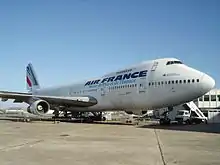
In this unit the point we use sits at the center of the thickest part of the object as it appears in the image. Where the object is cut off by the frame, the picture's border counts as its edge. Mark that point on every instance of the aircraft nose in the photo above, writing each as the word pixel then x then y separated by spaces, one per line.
pixel 207 83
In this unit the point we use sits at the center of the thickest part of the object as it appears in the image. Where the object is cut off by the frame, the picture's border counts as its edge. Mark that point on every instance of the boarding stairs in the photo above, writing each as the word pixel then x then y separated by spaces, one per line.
pixel 193 108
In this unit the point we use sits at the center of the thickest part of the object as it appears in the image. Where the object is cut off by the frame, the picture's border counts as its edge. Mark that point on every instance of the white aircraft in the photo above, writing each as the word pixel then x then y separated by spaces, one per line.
pixel 151 84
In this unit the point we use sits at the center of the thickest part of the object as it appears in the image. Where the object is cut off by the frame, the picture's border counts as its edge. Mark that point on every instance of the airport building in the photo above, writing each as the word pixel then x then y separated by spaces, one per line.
pixel 209 104
pixel 210 100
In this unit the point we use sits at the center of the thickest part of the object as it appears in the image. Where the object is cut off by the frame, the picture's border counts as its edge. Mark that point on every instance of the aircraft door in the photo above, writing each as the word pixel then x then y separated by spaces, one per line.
pixel 103 91
pixel 142 87
pixel 154 66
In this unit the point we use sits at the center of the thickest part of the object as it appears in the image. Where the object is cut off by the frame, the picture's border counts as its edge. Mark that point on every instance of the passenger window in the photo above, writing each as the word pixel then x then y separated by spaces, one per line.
pixel 180 81
pixel 162 82
pixel 168 82
pixel 201 99
pixel 193 80
pixel 218 97
pixel 188 81
pixel 152 83
pixel 149 84
pixel 158 83
pixel 184 81
pixel 197 80
pixel 172 82
pixel 213 97
pixel 176 81
pixel 165 82
pixel 135 85
pixel 206 97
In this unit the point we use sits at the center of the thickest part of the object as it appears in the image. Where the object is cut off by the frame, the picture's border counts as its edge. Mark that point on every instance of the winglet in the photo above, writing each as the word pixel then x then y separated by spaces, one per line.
pixel 31 78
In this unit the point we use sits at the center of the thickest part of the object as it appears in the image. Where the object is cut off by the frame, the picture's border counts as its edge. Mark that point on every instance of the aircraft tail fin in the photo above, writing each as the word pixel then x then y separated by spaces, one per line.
pixel 31 79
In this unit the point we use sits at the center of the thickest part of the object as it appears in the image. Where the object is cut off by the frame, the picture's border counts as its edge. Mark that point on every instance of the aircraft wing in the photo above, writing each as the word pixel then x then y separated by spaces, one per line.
pixel 81 101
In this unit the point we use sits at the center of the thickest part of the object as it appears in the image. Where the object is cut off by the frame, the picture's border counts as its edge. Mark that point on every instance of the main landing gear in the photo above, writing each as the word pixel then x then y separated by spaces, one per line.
pixel 164 119
pixel 78 116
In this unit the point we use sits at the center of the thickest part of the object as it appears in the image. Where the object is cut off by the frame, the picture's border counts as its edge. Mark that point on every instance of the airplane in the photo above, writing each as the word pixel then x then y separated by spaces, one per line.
pixel 152 84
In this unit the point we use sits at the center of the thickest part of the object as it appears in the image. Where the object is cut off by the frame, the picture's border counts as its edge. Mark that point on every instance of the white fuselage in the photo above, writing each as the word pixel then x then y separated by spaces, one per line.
pixel 148 85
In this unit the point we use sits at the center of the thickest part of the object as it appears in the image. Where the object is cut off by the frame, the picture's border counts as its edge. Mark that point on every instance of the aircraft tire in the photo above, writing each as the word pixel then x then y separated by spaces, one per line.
pixel 164 122
pixel 103 118
pixel 161 122
pixel 188 122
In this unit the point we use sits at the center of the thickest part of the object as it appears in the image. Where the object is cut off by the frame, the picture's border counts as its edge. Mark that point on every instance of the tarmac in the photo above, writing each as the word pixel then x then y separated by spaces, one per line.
pixel 46 143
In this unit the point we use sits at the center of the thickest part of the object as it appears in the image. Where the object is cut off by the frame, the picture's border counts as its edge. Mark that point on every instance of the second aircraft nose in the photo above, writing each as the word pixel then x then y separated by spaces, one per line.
pixel 207 83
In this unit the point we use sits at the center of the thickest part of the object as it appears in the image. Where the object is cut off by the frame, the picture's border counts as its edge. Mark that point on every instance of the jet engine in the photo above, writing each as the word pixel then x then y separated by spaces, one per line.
pixel 39 107
pixel 136 112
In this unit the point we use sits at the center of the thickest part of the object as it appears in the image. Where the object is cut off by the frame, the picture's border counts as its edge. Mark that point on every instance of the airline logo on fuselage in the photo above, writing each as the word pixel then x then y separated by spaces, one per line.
pixel 122 77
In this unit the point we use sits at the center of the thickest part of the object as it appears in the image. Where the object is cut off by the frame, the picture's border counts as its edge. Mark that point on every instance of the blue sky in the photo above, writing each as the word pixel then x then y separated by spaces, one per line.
pixel 68 41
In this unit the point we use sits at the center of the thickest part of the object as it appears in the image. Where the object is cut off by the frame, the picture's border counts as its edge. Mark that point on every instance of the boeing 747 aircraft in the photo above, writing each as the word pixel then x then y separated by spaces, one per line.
pixel 151 84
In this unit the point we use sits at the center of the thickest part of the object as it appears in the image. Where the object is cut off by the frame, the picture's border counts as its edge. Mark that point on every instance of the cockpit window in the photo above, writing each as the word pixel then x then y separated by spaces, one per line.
pixel 173 62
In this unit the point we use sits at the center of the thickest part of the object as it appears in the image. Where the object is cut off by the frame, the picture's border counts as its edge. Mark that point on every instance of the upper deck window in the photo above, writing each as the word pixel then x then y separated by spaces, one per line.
pixel 173 62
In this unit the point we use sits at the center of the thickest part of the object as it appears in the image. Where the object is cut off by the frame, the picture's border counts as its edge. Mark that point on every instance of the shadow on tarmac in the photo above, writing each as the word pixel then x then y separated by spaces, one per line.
pixel 98 122
pixel 65 121
pixel 205 128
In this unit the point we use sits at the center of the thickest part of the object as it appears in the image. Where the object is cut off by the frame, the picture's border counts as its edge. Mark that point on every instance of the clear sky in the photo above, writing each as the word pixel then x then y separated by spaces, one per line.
pixel 68 41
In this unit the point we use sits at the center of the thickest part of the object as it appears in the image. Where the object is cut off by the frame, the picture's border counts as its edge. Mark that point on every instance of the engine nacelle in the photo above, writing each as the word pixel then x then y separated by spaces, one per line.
pixel 39 107
pixel 136 112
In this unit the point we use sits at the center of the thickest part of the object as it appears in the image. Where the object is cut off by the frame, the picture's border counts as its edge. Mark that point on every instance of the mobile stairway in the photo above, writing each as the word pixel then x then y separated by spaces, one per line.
pixel 190 114
pixel 195 113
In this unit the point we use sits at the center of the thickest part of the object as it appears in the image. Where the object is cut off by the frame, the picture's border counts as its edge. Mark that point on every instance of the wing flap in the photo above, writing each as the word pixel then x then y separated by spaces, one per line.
pixel 81 101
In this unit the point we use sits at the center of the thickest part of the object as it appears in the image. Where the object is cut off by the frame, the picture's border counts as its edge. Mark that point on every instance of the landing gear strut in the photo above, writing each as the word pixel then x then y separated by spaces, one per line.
pixel 56 113
pixel 65 114
pixel 165 120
